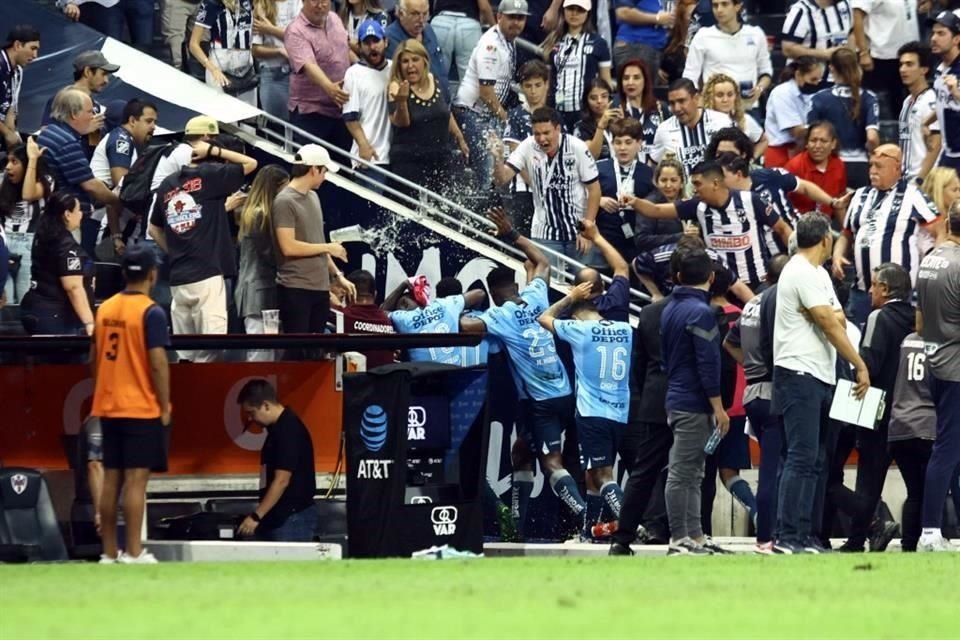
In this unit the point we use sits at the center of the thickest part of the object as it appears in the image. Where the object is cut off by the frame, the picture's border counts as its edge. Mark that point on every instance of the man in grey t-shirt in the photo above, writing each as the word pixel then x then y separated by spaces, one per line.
pixel 304 261
pixel 938 322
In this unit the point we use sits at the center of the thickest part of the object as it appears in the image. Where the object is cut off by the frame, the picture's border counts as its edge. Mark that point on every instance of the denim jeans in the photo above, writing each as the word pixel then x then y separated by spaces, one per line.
pixel 769 432
pixel 564 247
pixel 476 127
pixel 19 244
pixel 859 307
pixel 106 20
pixel 626 51
pixel 457 36
pixel 298 527
pixel 138 14
pixel 804 402
pixel 685 472
pixel 275 90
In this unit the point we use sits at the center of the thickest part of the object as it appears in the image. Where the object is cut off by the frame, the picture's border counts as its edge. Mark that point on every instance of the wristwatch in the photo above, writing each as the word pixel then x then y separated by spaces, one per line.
pixel 254 516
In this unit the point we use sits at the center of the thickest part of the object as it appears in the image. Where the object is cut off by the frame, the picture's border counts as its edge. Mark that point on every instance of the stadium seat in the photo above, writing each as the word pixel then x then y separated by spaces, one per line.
pixel 28 524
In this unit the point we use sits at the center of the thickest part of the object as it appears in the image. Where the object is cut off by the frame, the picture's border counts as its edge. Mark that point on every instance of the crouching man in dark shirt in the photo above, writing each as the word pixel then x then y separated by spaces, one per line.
pixel 286 512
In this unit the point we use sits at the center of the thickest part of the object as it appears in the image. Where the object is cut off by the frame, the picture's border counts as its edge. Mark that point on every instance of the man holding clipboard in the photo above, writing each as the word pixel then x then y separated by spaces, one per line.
pixel 808 333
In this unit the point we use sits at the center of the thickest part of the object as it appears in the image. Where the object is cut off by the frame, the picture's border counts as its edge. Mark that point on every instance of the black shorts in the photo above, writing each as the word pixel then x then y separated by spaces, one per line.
pixel 134 443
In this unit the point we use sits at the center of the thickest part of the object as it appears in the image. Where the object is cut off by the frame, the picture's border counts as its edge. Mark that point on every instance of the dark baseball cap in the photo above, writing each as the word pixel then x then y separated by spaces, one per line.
pixel 138 259
pixel 94 60
pixel 949 19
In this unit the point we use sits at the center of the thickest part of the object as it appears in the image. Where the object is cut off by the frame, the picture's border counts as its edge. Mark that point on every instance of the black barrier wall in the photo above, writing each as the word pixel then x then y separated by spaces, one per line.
pixel 414 438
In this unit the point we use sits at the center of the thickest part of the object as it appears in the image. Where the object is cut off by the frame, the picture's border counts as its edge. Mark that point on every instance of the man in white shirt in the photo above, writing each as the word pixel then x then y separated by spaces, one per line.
pixel 484 89
pixel 563 176
pixel 808 333
pixel 731 47
pixel 920 148
pixel 365 112
pixel 688 132
pixel 880 28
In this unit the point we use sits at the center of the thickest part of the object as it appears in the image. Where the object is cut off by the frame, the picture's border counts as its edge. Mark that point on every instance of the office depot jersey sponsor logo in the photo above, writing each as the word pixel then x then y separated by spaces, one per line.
pixel 739 242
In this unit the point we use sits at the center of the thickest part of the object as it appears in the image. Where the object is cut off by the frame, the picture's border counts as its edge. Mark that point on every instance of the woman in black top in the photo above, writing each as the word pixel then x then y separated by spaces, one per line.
pixel 638 100
pixel 598 112
pixel 421 119
pixel 61 294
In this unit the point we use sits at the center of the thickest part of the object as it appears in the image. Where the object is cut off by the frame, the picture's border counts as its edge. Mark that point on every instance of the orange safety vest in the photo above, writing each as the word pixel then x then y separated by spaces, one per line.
pixel 124 385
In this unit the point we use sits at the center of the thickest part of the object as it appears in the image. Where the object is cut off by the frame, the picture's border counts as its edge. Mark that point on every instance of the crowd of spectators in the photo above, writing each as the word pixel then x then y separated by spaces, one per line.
pixel 665 195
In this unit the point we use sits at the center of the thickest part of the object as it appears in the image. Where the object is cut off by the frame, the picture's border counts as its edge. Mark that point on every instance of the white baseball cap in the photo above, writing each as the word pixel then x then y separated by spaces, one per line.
pixel 586 5
pixel 514 8
pixel 313 155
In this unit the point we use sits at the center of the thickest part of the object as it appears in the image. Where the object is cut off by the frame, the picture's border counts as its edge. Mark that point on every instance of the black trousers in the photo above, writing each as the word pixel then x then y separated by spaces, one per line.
pixel 885 81
pixel 872 463
pixel 911 457
pixel 302 311
pixel 647 445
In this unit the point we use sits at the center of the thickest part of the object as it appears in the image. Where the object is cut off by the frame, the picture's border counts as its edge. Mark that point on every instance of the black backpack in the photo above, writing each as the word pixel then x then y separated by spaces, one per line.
pixel 135 193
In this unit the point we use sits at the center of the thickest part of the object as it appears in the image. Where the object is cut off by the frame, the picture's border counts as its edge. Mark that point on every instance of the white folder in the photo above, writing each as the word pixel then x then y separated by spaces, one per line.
pixel 863 413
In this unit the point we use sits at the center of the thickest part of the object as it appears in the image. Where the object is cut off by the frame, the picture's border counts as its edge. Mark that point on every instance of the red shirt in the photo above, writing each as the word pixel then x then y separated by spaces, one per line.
pixel 368 318
pixel 833 181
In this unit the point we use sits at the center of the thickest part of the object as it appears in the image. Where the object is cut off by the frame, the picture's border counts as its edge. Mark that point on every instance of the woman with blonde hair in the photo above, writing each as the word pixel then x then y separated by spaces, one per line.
pixel 256 288
pixel 721 93
pixel 229 65
pixel 423 124
pixel 942 186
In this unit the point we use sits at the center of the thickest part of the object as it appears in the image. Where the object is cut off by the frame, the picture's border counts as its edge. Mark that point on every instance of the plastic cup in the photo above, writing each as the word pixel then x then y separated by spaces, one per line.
pixel 271 320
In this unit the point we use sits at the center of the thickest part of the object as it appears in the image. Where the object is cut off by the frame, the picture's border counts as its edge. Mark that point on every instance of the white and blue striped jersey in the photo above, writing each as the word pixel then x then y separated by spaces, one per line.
pixel 773 185
pixel 601 356
pixel 735 231
pixel 915 111
pixel 228 30
pixel 815 27
pixel 534 362
pixel 948 115
pixel 884 227
pixel 688 143
pixel 440 316
pixel 558 185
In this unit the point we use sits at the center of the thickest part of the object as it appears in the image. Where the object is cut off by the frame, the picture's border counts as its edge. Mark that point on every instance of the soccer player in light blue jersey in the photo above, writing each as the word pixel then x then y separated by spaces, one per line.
pixel 601 355
pixel 536 367
pixel 438 316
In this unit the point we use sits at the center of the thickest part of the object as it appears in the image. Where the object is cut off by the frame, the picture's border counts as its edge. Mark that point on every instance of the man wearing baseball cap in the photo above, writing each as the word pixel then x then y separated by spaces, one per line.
pixel 945 42
pixel 305 263
pixel 485 88
pixel 365 112
pixel 131 398
pixel 91 74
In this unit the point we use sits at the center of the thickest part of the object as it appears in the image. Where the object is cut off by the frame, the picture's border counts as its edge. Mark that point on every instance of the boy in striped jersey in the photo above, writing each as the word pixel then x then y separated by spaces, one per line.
pixel 732 222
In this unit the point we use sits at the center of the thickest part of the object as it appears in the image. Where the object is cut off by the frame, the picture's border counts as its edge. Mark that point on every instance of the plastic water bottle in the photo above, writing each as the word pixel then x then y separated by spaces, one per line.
pixel 353 233
pixel 713 441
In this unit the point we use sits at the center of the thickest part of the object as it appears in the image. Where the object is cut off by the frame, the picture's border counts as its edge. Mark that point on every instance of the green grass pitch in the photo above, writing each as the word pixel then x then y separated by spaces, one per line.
pixel 839 596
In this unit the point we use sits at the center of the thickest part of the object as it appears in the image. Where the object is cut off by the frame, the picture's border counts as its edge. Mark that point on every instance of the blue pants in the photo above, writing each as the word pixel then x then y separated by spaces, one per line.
pixel 275 90
pixel 946 450
pixel 564 247
pixel 457 37
pixel 804 402
pixel 138 14
pixel 476 128
pixel 769 431
pixel 859 306
pixel 298 527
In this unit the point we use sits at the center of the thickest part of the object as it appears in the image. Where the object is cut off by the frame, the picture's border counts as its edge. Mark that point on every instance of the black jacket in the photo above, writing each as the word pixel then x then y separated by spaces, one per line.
pixel 886 328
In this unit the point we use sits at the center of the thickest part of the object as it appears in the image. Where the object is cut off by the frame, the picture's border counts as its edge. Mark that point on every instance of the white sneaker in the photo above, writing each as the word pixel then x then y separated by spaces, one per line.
pixel 145 557
pixel 934 543
pixel 105 559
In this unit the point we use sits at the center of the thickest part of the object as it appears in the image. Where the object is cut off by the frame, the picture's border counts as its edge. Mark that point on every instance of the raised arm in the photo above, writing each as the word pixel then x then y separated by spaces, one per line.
pixel 580 292
pixel 506 232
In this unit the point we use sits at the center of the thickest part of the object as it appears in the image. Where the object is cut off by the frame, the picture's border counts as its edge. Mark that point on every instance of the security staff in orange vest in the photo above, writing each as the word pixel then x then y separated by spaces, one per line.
pixel 132 399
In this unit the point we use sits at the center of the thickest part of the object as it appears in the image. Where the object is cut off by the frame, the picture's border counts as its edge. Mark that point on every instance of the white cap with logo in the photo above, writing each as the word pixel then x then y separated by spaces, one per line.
pixel 313 155
pixel 586 5
pixel 514 8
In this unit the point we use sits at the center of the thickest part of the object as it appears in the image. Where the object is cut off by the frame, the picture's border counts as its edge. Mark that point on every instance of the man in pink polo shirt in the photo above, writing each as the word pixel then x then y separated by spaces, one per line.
pixel 317 45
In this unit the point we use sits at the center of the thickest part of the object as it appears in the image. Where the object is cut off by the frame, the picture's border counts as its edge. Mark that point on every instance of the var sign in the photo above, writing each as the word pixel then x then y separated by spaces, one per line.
pixel 444 520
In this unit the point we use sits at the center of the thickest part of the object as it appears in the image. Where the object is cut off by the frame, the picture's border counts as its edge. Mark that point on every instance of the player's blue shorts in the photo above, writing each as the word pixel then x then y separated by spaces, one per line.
pixel 548 419
pixel 733 452
pixel 599 439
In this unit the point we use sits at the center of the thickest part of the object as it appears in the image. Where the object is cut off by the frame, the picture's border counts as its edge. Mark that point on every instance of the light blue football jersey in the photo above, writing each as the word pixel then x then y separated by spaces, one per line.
pixel 601 356
pixel 533 353
pixel 440 316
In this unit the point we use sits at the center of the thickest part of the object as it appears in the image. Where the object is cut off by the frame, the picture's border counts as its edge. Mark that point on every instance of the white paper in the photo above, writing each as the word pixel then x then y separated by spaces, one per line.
pixel 863 413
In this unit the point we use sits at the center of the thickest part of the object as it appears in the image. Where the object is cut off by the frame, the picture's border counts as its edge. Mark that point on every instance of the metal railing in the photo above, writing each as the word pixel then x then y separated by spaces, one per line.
pixel 280 138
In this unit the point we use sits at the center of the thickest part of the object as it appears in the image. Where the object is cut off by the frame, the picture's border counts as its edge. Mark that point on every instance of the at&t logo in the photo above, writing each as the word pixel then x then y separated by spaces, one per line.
pixel 444 520
pixel 373 428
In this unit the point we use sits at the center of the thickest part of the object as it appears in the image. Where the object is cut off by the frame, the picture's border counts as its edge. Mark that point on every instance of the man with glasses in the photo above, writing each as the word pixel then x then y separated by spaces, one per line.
pixel 883 224
pixel 413 21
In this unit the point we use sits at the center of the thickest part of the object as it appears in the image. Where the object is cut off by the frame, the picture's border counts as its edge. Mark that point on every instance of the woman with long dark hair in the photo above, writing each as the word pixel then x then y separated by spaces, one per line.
pixel 60 300
pixel 635 83
pixel 597 113
pixel 256 288
pixel 577 55
pixel 25 185
pixel 854 112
